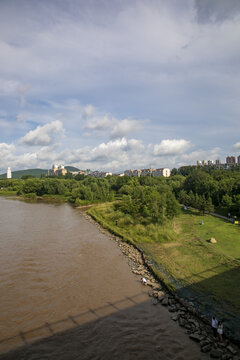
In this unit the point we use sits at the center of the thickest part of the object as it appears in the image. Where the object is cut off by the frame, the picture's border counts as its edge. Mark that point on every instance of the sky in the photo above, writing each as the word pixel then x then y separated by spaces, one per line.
pixel 118 84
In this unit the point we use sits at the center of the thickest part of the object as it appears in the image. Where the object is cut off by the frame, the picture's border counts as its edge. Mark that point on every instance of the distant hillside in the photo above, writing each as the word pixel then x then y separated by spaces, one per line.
pixel 18 174
pixel 34 172
pixel 71 168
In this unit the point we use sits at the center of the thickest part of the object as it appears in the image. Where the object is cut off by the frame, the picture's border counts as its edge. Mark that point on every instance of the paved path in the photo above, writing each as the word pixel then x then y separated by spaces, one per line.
pixel 217 215
pixel 222 217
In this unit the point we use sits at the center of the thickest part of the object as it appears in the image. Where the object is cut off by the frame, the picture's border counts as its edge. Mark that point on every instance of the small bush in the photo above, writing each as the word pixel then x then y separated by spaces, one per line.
pixel 125 220
pixel 30 196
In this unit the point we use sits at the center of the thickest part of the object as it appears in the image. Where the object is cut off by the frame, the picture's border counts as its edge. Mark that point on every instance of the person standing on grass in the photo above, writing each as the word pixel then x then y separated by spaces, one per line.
pixel 220 330
pixel 214 326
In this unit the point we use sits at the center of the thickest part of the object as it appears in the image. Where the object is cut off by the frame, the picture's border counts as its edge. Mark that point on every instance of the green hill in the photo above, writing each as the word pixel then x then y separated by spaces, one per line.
pixel 34 172
pixel 18 174
pixel 71 168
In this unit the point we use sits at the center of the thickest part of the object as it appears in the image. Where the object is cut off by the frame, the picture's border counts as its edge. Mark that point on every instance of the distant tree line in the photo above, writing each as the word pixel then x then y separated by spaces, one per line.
pixel 217 190
pixel 151 198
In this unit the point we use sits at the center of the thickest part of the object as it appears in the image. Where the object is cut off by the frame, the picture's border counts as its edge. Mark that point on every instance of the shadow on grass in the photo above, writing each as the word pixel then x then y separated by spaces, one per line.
pixel 224 304
pixel 215 291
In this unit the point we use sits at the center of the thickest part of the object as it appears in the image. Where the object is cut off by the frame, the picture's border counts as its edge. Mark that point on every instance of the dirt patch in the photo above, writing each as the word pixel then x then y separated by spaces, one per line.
pixel 170 245
pixel 177 227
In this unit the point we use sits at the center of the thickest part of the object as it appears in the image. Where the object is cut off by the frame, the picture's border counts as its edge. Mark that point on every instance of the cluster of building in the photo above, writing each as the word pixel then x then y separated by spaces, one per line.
pixel 58 170
pixel 100 174
pixel 149 172
pixel 231 161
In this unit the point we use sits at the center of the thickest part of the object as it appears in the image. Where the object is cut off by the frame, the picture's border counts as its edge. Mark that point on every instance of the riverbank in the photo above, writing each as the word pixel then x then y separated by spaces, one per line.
pixel 70 294
pixel 183 308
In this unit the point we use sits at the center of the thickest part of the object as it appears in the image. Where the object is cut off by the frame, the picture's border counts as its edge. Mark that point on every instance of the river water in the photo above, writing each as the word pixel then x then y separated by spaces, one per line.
pixel 67 292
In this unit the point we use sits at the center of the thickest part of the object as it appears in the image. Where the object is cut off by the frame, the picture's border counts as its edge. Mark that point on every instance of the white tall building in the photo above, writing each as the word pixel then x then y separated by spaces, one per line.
pixel 9 173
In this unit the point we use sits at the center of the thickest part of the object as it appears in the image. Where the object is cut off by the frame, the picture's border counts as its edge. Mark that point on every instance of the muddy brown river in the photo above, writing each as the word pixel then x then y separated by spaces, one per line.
pixel 67 292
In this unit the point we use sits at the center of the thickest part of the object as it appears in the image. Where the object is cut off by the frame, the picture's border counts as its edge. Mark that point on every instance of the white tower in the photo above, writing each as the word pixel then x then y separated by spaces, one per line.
pixel 9 173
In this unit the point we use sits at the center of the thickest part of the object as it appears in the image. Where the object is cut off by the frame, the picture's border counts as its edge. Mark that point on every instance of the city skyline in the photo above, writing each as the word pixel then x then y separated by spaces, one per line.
pixel 231 160
pixel 115 85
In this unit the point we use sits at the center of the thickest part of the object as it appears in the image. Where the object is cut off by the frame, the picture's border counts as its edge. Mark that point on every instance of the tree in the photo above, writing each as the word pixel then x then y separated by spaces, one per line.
pixel 25 177
pixel 174 172
pixel 226 201
pixel 183 197
pixel 203 204
pixel 68 175
pixel 172 206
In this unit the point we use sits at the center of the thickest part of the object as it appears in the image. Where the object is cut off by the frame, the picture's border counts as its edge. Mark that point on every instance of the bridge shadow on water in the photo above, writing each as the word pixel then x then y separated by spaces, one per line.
pixel 25 339
pixel 130 328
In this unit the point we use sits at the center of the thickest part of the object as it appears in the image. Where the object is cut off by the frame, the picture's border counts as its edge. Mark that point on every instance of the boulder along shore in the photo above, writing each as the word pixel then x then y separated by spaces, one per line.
pixel 197 326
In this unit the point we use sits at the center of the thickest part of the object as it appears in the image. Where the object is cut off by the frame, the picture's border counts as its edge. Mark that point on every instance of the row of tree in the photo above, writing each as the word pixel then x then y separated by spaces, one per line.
pixel 148 203
pixel 153 197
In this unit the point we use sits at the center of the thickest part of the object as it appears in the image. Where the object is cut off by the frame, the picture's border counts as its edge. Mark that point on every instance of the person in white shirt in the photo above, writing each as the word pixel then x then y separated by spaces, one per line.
pixel 143 281
pixel 220 330
pixel 214 325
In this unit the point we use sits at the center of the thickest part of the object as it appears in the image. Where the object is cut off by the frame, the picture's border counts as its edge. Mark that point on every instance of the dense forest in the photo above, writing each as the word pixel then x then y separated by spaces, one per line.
pixel 150 198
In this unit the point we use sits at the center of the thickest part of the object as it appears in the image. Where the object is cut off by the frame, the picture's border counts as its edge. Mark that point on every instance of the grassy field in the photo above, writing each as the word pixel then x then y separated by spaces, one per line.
pixel 182 248
pixel 5 192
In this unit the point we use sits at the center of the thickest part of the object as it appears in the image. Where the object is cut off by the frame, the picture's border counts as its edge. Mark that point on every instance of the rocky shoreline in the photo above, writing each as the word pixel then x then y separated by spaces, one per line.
pixel 197 326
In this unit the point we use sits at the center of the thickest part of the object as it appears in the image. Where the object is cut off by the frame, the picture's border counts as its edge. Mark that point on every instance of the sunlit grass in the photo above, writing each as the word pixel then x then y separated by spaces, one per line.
pixel 182 247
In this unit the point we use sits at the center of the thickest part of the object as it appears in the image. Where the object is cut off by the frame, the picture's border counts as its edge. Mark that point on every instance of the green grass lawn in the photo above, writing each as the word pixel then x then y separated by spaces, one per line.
pixel 6 192
pixel 183 249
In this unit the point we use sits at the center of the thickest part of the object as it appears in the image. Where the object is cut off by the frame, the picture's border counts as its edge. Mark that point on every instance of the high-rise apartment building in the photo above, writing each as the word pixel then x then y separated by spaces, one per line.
pixel 230 160
pixel 210 162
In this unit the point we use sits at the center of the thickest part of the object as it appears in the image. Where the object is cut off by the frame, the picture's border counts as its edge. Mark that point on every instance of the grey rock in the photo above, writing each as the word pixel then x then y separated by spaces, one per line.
pixel 226 357
pixel 182 311
pixel 156 287
pixel 194 322
pixel 204 342
pixel 172 309
pixel 195 337
pixel 231 349
pixel 171 302
pixel 206 348
pixel 165 301
pixel 175 317
pixel 136 272
pixel 182 322
pixel 161 295
pixel 216 354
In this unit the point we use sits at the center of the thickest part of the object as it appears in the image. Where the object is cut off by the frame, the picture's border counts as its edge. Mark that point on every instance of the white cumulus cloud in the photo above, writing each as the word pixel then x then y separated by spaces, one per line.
pixel 6 150
pixel 236 146
pixel 171 147
pixel 124 127
pixel 102 124
pixel 43 135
